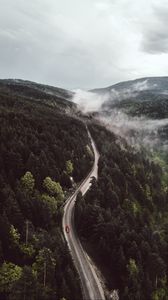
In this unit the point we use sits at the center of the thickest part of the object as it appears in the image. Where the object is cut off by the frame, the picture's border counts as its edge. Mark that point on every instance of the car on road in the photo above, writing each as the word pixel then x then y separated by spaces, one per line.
pixel 67 229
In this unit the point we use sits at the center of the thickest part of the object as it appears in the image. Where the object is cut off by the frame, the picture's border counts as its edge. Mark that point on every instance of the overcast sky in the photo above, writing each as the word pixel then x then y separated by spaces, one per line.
pixel 83 43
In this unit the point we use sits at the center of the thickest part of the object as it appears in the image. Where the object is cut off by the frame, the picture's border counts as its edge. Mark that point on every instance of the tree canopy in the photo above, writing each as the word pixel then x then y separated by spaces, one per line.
pixel 123 219
pixel 41 146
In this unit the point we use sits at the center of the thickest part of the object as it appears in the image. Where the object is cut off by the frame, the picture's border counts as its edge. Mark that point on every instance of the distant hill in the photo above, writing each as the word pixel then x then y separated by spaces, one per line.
pixel 52 96
pixel 146 83
pixel 141 97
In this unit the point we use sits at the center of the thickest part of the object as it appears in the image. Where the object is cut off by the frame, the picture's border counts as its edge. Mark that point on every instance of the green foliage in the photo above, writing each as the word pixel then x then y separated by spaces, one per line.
pixel 25 287
pixel 14 235
pixel 89 151
pixel 51 201
pixel 159 294
pixel 28 249
pixel 69 167
pixel 37 139
pixel 28 182
pixel 53 188
pixel 123 217
pixel 9 274
pixel 132 268
pixel 158 160
pixel 44 259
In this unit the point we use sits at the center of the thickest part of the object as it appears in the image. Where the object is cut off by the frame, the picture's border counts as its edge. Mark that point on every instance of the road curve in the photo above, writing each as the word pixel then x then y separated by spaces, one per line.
pixel 91 286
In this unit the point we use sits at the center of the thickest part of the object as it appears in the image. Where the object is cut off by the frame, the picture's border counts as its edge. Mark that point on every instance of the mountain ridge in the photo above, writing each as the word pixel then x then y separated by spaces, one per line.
pixel 59 98
pixel 29 83
pixel 128 83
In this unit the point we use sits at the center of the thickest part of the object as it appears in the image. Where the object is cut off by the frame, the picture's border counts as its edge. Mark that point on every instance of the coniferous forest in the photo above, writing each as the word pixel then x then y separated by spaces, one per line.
pixel 41 147
pixel 123 220
pixel 84 150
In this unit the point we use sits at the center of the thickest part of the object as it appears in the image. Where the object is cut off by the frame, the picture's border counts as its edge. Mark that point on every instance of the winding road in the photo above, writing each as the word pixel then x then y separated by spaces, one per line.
pixel 91 286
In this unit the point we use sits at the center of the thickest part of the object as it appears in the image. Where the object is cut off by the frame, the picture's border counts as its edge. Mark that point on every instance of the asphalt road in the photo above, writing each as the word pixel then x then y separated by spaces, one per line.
pixel 91 286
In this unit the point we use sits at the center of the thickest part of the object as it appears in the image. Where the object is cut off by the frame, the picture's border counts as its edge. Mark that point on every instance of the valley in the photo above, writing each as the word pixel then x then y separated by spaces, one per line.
pixel 119 212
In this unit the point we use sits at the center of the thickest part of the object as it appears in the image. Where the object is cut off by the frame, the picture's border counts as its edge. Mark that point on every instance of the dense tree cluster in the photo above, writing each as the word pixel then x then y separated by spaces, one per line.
pixel 40 148
pixel 124 219
pixel 148 103
pixel 53 97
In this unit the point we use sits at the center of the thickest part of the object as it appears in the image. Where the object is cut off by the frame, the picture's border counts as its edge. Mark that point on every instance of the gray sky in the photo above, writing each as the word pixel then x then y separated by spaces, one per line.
pixel 83 43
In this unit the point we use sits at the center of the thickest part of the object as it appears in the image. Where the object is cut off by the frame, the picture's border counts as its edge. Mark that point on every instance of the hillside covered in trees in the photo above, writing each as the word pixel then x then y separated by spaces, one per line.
pixel 41 148
pixel 123 220
pixel 141 97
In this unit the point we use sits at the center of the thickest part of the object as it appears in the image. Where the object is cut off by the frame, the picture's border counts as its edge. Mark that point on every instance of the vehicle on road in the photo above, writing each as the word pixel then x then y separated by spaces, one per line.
pixel 91 286
pixel 67 229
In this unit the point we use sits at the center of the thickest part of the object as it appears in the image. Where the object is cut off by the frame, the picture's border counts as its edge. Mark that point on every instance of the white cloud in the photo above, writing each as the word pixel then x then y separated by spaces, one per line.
pixel 138 131
pixel 87 101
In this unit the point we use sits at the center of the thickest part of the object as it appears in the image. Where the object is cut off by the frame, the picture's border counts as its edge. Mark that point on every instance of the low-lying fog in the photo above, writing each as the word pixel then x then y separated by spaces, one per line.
pixel 137 130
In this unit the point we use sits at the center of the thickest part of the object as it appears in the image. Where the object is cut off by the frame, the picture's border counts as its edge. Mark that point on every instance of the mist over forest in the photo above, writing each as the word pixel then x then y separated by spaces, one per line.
pixel 127 110
pixel 84 150
pixel 46 153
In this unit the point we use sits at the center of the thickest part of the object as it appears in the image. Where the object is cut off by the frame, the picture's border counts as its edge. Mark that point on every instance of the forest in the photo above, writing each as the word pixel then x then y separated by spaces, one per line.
pixel 123 219
pixel 151 106
pixel 41 149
